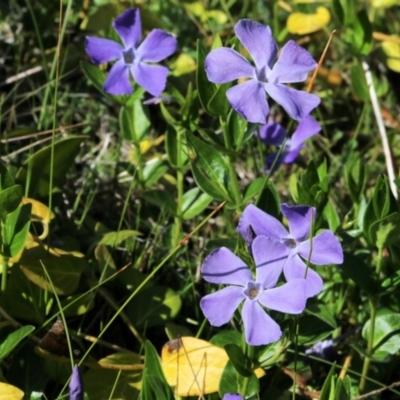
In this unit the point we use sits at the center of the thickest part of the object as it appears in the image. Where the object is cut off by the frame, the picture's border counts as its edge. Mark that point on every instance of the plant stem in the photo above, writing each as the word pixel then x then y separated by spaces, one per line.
pixel 246 380
pixel 370 346
pixel 179 188
pixel 5 259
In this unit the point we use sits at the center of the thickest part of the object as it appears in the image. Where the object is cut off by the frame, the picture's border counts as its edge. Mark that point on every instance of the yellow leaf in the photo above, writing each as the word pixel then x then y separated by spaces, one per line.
pixel 183 65
pixel 394 64
pixel 40 212
pixel 217 15
pixel 193 367
pixel 392 50
pixel 10 392
pixel 384 3
pixel 302 24
pixel 147 144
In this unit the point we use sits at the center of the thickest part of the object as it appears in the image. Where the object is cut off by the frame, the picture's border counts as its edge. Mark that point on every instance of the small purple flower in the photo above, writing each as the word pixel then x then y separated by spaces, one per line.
pixel 133 57
pixel 274 134
pixel 76 385
pixel 223 267
pixel 232 396
pixel 326 248
pixel 224 65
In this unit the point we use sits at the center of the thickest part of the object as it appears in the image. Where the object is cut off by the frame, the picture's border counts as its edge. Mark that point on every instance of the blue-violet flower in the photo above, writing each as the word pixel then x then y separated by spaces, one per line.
pixel 232 396
pixel 224 267
pixel 274 134
pixel 133 56
pixel 224 65
pixel 76 385
pixel 325 246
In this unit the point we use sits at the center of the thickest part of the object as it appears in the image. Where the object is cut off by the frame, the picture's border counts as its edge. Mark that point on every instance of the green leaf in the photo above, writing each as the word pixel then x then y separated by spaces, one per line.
pixel 162 199
pixel 171 145
pixel 77 304
pixel 153 306
pixel 358 83
pixel 16 230
pixel 155 386
pixel 13 339
pixel 383 200
pixel 134 121
pixel 313 329
pixel 386 334
pixel 153 171
pixel 210 169
pixel 116 238
pixel 194 202
pixel 6 179
pixel 338 10
pixel 10 199
pixel 238 359
pixel 386 231
pixel 36 169
pixel 218 104
pixel 331 216
pixel 23 299
pixel 226 337
pixel 360 273
pixel 322 312
pixel 355 176
pixel 236 129
pixel 205 88
pixel 343 388
pixel 328 389
pixel 362 33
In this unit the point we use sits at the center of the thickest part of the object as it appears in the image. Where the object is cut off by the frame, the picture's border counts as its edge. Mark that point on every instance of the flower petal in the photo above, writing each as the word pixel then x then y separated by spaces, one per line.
pixel 223 267
pixel 257 39
pixel 219 307
pixel 224 65
pixel 307 127
pixel 129 27
pixel 232 396
pixel 290 156
pixel 293 65
pixel 249 100
pixel 269 256
pixel 152 78
pixel 295 268
pixel 300 219
pixel 101 50
pixel 272 133
pixel 297 103
pixel 255 220
pixel 157 46
pixel 259 327
pixel 117 81
pixel 326 249
pixel 289 298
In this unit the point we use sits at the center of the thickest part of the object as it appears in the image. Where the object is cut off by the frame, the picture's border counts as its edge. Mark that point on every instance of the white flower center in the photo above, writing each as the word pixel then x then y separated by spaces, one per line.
pixel 252 291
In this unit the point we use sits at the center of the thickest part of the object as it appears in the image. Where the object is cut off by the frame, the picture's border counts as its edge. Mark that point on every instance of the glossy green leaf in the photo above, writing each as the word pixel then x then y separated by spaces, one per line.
pixel 328 389
pixel 10 199
pixel 322 312
pixel 343 388
pixel 116 238
pixel 153 171
pixel 386 231
pixel 236 129
pixel 154 386
pixel 210 169
pixel 16 230
pixel 238 359
pixel 331 216
pixel 36 169
pixel 386 334
pixel 153 306
pixel 226 337
pixel 218 104
pixel 161 198
pixel 204 86
pixel 134 121
pixel 361 38
pixel 355 176
pixel 23 299
pixel 383 200
pixel 13 339
pixel 360 273
pixel 194 202
pixel 6 179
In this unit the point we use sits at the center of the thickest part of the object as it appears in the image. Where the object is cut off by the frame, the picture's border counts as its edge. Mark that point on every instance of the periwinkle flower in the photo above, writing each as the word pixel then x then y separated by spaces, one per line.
pixel 274 134
pixel 223 267
pixel 224 65
pixel 325 246
pixel 133 56
pixel 76 391
pixel 232 396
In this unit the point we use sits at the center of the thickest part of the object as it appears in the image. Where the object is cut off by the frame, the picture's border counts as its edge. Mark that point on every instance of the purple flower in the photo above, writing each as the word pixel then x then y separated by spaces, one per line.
pixel 248 99
pixel 326 248
pixel 274 134
pixel 223 267
pixel 133 57
pixel 232 396
pixel 76 385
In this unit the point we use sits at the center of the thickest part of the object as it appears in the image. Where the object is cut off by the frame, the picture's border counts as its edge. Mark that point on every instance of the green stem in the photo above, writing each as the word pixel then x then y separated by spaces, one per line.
pixel 296 343
pixel 5 259
pixel 370 346
pixel 179 187
pixel 246 380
